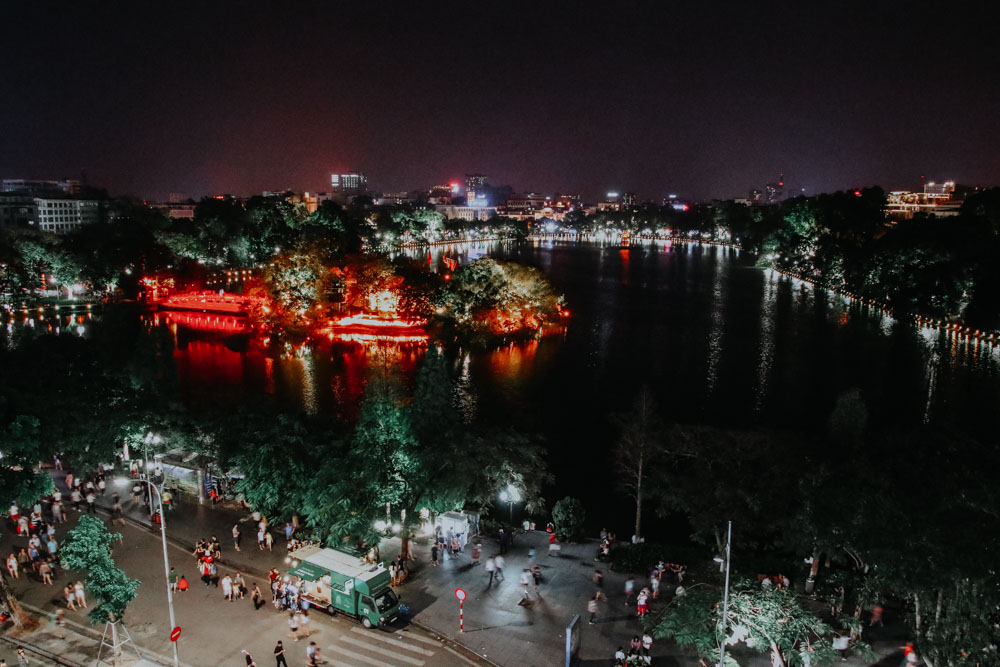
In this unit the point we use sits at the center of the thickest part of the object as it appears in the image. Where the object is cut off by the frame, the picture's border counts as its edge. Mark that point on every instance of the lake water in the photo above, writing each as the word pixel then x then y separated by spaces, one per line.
pixel 716 340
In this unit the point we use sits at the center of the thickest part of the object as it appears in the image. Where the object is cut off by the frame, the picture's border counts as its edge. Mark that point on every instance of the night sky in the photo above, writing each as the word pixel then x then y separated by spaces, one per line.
pixel 241 97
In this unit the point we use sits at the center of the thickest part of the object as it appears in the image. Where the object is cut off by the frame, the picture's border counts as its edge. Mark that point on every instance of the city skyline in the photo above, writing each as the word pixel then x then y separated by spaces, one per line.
pixel 707 103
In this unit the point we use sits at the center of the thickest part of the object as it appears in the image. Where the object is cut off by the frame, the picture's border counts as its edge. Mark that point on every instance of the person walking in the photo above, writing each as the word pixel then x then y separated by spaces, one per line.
pixel 22 659
pixel 304 623
pixel 268 539
pixel 434 556
pixel 80 599
pixel 250 660
pixel 876 616
pixel 236 537
pixel 647 642
pixel 227 588
pixel 500 562
pixel 172 579
pixel 46 571
pixel 260 538
pixel 91 499
pixel 77 498
pixel 592 609
pixel 279 655
pixel 256 597
pixel 525 581
pixel 491 568
pixel 475 553
pixel 502 539
pixel 629 590
pixel 293 625
pixel 12 565
pixel 70 595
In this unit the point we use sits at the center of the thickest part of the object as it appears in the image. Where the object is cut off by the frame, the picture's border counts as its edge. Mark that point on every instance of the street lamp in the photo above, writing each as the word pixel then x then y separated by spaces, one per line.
pixel 166 562
pixel 725 595
pixel 510 496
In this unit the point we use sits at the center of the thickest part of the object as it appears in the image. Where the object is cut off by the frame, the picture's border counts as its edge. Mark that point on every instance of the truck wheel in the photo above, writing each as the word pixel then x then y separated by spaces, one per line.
pixel 330 609
pixel 365 622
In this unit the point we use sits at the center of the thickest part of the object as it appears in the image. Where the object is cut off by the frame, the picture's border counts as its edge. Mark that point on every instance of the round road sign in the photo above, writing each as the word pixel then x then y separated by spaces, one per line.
pixel 175 633
pixel 460 594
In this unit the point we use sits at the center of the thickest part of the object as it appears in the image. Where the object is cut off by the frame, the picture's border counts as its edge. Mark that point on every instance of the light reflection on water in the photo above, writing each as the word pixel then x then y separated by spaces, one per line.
pixel 717 340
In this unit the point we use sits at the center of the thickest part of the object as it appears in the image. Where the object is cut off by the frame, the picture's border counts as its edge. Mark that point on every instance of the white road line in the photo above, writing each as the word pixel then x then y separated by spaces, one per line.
pixel 338 663
pixel 365 660
pixel 374 634
pixel 427 640
pixel 381 651
pixel 458 655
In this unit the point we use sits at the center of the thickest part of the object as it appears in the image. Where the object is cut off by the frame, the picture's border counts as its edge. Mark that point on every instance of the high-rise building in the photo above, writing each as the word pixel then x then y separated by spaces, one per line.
pixel 476 190
pixel 348 185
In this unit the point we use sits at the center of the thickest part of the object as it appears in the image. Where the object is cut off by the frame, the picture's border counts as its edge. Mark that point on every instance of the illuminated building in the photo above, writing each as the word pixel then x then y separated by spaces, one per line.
pixel 936 199
pixel 774 192
pixel 35 187
pixel 48 214
pixel 467 213
pixel 476 190
pixel 756 196
pixel 628 199
pixel 348 185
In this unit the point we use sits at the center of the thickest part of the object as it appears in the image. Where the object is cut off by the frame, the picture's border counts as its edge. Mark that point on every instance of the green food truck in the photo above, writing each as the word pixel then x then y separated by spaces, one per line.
pixel 341 582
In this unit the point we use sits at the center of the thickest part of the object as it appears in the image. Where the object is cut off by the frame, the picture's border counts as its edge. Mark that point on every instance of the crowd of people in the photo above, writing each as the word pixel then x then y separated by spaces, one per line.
pixel 38 559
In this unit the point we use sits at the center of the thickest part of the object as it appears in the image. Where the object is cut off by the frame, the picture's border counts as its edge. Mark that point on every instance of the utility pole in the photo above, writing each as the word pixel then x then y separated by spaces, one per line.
pixel 725 597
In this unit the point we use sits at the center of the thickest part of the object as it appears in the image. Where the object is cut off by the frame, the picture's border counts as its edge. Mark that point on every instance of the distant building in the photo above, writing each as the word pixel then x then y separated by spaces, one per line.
pixel 756 196
pixel 39 187
pixel 48 213
pixel 937 199
pixel 468 213
pixel 775 192
pixel 628 199
pixel 476 190
pixel 396 199
pixel 348 185
pixel 177 198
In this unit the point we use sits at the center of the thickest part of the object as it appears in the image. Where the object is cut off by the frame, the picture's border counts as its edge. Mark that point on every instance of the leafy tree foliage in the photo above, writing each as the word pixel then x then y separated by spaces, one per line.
pixel 88 547
pixel 568 516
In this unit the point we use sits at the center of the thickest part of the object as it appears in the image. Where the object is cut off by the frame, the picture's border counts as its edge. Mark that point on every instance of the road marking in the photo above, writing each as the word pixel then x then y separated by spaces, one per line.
pixel 381 651
pixel 427 640
pixel 371 634
pixel 365 660
pixel 458 655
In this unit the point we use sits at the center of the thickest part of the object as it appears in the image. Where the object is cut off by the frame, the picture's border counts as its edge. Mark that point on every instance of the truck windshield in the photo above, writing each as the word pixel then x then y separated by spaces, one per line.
pixel 386 601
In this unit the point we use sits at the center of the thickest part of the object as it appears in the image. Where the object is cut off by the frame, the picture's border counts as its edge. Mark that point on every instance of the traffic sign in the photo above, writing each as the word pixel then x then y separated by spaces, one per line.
pixel 460 594
pixel 175 633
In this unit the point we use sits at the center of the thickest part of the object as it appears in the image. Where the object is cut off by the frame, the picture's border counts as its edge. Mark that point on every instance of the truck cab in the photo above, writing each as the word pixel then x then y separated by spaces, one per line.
pixel 342 582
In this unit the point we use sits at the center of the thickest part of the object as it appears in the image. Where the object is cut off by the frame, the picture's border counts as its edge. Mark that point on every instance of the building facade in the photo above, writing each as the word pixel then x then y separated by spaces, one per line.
pixel 348 185
pixel 59 215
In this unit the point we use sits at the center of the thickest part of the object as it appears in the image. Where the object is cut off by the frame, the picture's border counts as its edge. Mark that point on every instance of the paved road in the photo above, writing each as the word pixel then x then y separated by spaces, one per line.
pixel 214 631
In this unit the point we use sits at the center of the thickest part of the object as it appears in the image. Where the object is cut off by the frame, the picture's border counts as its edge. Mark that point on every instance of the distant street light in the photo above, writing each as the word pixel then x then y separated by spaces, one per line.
pixel 510 496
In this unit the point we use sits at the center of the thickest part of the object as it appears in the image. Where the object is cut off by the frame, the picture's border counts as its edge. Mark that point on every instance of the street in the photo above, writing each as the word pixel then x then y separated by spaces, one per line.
pixel 214 631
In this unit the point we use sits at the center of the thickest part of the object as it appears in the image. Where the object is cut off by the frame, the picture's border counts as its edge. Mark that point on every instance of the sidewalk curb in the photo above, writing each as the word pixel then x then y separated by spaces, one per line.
pixel 28 646
pixel 427 628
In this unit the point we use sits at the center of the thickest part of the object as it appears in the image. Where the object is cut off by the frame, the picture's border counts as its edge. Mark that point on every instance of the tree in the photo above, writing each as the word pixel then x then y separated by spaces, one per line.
pixel 641 449
pixel 407 455
pixel 568 515
pixel 772 620
pixel 88 547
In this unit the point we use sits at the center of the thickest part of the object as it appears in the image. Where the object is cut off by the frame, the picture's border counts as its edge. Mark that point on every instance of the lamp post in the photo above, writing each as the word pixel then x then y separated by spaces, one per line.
pixel 725 595
pixel 153 439
pixel 510 496
pixel 166 563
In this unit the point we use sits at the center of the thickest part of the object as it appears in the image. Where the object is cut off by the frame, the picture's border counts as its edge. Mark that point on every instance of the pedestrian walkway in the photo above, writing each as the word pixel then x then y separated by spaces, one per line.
pixel 370 647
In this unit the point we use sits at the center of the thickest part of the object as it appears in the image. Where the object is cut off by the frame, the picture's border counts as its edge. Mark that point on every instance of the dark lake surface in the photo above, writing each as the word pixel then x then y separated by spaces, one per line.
pixel 717 341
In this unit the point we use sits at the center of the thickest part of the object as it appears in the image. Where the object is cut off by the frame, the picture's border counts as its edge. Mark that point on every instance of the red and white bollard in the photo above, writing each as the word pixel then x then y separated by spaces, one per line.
pixel 460 594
